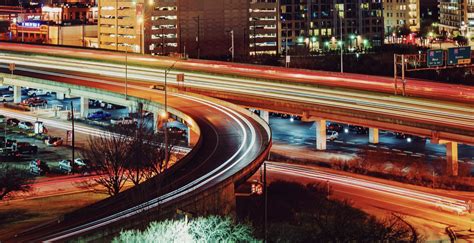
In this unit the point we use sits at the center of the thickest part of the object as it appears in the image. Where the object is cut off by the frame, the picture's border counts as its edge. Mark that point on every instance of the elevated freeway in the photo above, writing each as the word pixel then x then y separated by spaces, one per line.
pixel 443 113
pixel 232 144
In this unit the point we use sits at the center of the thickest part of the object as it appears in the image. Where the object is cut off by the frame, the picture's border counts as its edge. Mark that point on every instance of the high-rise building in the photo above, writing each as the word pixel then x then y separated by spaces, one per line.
pixel 199 28
pixel 401 13
pixel 263 27
pixel 456 17
pixel 314 24
pixel 121 25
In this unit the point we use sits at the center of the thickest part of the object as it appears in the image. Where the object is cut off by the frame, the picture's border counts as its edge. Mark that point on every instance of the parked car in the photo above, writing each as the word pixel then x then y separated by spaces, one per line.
pixel 12 122
pixel 54 141
pixel 123 121
pixel 25 125
pixel 331 135
pixel 359 129
pixel 98 115
pixel 6 98
pixel 37 167
pixel 37 92
pixel 79 165
pixel 26 148
pixel 335 127
pixel 35 101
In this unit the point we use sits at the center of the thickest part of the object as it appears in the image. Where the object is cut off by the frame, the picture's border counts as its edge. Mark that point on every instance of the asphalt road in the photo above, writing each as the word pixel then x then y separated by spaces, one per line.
pixel 429 112
pixel 296 132
pixel 381 198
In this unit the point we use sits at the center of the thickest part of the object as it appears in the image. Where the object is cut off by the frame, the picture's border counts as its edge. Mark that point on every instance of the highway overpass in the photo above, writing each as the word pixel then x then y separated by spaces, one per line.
pixel 441 112
pixel 232 144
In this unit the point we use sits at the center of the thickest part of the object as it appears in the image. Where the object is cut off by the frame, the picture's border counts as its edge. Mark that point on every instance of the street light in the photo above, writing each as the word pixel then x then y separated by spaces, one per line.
pixel 340 12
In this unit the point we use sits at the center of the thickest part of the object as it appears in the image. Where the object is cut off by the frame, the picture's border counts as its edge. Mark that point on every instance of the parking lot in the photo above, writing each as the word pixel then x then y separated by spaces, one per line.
pixel 101 115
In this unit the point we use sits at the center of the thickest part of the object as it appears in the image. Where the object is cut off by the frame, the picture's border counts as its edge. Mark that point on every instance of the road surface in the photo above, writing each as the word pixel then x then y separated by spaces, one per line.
pixel 457 118
pixel 380 198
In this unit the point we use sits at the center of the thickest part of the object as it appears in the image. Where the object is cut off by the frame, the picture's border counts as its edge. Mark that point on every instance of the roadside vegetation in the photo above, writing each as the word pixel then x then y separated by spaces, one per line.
pixel 203 229
pixel 298 213
pixel 14 180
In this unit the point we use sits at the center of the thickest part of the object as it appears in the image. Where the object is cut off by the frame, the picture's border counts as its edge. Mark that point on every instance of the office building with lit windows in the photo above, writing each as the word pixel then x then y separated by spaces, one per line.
pixel 263 27
pixel 401 13
pixel 318 24
pixel 456 17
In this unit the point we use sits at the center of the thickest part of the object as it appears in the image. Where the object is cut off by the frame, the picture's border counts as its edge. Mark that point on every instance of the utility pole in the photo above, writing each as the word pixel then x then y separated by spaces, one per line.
pixel 265 199
pixel 166 110
pixel 72 132
pixel 342 42
pixel 162 41
pixel 126 68
pixel 254 36
pixel 197 19
pixel 232 44
pixel 403 75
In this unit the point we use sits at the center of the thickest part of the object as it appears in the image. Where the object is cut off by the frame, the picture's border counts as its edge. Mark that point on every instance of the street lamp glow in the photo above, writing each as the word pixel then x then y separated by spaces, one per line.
pixel 339 43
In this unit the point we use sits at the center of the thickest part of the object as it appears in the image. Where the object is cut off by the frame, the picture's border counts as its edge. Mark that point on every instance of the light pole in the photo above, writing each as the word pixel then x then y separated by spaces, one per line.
pixel 72 132
pixel 342 42
pixel 166 109
pixel 287 64
pixel 232 44
pixel 198 40
pixel 126 67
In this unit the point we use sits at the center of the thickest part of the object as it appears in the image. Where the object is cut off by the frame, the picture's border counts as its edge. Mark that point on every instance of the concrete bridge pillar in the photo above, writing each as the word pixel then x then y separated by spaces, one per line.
pixel 158 121
pixel 452 158
pixel 16 93
pixel 60 95
pixel 265 115
pixel 320 134
pixel 84 107
pixel 373 135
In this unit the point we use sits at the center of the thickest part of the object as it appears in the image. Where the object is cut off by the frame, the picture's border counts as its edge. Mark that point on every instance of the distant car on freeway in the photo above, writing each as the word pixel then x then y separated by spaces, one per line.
pixel 98 115
pixel 157 87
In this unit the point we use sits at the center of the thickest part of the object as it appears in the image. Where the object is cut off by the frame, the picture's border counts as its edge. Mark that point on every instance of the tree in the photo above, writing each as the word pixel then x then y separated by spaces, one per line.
pixel 14 179
pixel 461 40
pixel 108 153
pixel 204 229
pixel 132 152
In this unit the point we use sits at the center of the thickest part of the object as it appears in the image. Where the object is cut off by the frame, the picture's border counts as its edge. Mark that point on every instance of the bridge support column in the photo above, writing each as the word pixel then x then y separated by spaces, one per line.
pixel 452 158
pixel 157 121
pixel 84 107
pixel 265 116
pixel 320 134
pixel 373 135
pixel 16 94
pixel 60 96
